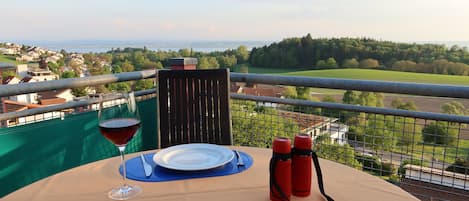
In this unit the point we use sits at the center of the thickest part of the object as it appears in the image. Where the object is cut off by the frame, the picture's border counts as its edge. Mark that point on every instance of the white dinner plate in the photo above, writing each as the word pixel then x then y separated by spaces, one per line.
pixel 192 157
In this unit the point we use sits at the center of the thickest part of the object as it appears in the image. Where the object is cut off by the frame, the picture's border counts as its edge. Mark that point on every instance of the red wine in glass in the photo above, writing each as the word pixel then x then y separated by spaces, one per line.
pixel 119 121
pixel 119 130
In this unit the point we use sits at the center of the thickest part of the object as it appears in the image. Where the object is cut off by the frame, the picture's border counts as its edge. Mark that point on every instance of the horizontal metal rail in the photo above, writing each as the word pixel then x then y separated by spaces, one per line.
pixel 356 108
pixel 347 84
pixel 453 91
pixel 24 88
pixel 72 104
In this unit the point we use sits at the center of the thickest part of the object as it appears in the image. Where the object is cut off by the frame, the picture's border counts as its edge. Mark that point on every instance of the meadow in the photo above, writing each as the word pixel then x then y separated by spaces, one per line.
pixel 8 59
pixel 383 75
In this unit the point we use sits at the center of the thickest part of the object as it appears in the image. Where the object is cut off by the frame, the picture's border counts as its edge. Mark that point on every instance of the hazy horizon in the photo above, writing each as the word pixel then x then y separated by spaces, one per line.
pixel 234 20
pixel 85 46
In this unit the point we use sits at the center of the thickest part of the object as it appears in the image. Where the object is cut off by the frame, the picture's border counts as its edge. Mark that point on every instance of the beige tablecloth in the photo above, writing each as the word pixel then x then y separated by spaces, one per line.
pixel 93 181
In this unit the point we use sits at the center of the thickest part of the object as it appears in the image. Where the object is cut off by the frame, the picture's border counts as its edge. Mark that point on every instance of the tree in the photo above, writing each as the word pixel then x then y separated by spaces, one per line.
pixel 369 63
pixel 441 133
pixel 330 112
pixel 331 63
pixel 185 52
pixel 454 107
pixel 227 61
pixel 399 104
pixel 127 67
pixel 350 97
pixel 321 64
pixel 290 92
pixel 68 74
pixel 242 54
pixel 339 153
pixel 208 63
pixel 257 127
pixel 143 84
pixel 119 86
pixel 377 135
pixel 53 67
pixel 405 130
pixel 350 63
pixel 8 73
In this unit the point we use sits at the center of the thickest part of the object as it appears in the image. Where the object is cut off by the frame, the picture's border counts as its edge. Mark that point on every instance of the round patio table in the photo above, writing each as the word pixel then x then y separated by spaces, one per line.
pixel 93 181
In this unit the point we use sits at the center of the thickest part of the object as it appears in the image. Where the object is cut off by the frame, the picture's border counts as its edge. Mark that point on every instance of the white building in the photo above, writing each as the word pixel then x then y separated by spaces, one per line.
pixel 8 51
pixel 42 75
pixel 337 133
pixel 436 176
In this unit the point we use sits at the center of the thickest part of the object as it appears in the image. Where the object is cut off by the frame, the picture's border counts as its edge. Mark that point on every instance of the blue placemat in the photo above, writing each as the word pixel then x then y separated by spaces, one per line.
pixel 135 170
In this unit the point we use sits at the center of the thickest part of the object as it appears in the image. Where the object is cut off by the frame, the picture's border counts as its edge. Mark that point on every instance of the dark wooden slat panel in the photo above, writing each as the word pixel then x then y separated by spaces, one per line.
pixel 191 106
pixel 183 108
pixel 211 137
pixel 197 112
pixel 163 110
pixel 178 109
pixel 172 111
pixel 225 119
pixel 216 110
pixel 203 109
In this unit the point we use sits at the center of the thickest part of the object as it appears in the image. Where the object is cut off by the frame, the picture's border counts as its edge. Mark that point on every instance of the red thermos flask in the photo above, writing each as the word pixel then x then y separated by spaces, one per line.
pixel 280 170
pixel 301 166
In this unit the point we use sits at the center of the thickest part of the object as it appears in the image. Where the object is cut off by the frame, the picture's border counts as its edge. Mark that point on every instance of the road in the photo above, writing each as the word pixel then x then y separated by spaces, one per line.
pixel 394 157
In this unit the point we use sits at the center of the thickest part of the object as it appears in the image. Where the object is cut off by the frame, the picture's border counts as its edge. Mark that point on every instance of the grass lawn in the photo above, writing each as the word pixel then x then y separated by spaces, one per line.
pixel 363 74
pixel 382 75
pixel 259 70
pixel 8 59
pixel 441 153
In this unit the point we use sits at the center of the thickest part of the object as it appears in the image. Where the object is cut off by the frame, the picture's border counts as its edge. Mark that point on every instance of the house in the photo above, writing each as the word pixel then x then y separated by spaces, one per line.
pixel 55 96
pixel 337 133
pixel 42 75
pixel 259 90
pixel 25 98
pixel 8 51
pixel 315 126
pixel 435 183
pixel 14 106
pixel 11 80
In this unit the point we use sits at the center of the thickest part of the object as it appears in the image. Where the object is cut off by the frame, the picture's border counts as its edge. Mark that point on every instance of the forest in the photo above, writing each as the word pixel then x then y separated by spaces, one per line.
pixel 323 53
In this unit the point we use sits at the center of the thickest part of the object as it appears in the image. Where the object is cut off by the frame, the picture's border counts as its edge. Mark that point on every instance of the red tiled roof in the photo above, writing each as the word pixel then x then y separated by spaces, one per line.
pixel 14 106
pixel 52 101
pixel 271 92
pixel 50 94
pixel 304 120
pixel 234 88
pixel 8 79
pixel 26 79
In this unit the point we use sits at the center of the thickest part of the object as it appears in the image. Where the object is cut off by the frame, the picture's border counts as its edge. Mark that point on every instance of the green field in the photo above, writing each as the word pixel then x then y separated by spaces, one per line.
pixel 260 70
pixel 364 74
pixel 382 75
pixel 8 59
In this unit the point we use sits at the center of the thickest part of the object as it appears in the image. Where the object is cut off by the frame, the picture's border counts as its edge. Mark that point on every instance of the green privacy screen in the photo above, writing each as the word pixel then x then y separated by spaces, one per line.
pixel 34 151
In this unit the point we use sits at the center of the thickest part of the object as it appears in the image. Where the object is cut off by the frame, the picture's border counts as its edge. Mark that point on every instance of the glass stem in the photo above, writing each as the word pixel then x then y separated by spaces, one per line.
pixel 124 172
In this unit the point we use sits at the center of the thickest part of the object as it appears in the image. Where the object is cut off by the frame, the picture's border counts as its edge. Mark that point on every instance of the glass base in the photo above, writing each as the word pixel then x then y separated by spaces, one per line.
pixel 124 192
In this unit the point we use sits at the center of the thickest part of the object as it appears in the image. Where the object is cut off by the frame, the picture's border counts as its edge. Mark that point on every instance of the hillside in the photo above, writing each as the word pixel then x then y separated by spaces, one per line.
pixel 366 74
pixel 7 59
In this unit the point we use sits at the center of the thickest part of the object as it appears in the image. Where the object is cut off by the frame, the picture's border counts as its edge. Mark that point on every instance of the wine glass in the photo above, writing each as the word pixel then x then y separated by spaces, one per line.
pixel 119 124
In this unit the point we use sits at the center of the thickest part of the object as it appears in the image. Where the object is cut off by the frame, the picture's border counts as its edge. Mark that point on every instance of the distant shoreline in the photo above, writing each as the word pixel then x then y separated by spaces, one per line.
pixel 100 46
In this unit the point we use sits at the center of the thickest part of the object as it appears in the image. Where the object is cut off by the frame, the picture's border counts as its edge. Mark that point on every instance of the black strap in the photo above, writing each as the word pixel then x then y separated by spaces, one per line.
pixel 273 182
pixel 319 175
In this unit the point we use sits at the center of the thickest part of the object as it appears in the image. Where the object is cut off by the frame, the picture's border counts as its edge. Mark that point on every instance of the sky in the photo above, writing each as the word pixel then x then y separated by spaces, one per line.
pixel 256 20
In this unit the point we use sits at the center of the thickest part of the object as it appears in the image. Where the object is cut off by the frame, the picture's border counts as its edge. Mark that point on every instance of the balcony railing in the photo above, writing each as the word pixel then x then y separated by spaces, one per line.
pixel 420 151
